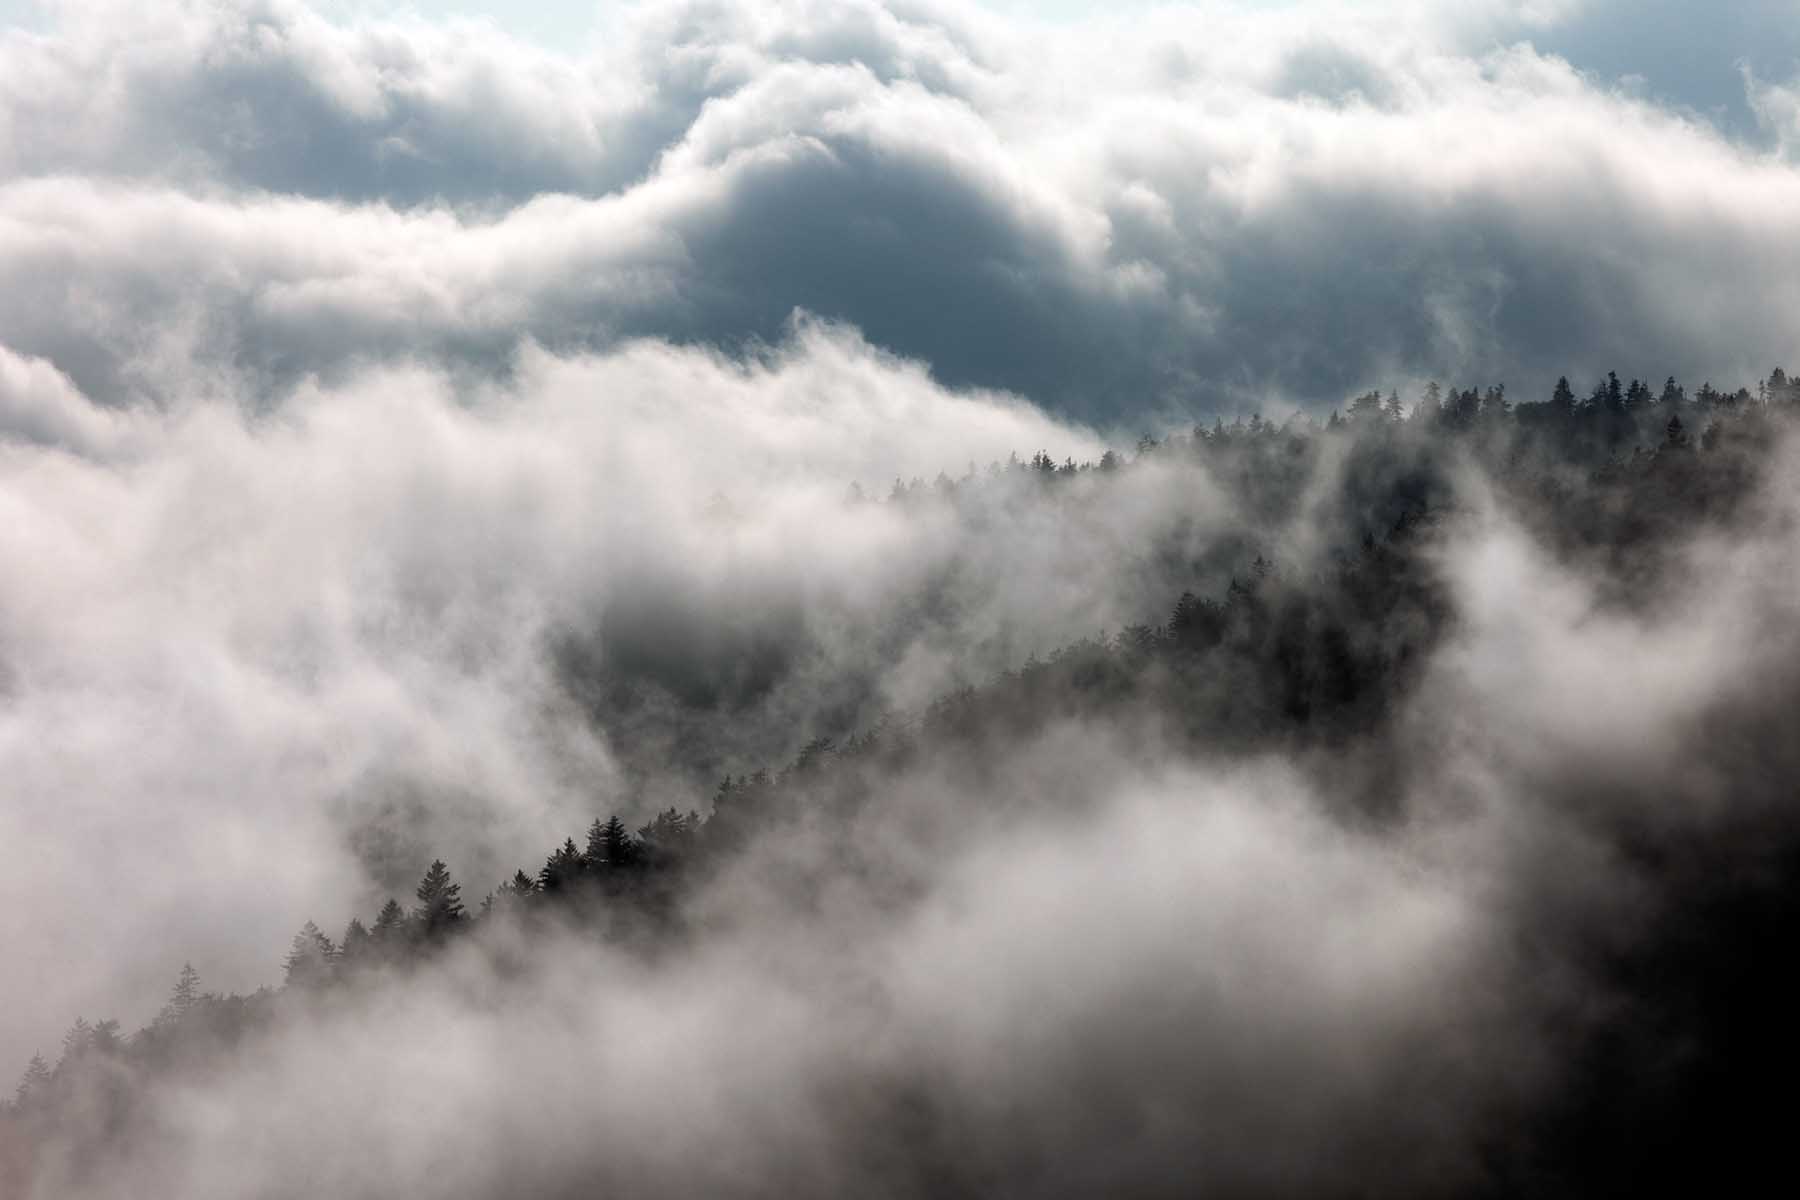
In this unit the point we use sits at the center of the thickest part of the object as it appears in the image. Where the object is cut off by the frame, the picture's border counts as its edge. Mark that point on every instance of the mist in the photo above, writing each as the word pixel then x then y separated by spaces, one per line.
pixel 927 602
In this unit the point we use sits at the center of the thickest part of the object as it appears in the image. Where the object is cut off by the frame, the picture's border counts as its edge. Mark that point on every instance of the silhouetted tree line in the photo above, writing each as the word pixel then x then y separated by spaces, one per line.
pixel 1277 658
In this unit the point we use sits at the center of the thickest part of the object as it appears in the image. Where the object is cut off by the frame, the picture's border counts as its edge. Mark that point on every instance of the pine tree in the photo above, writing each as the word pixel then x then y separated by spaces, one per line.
pixel 671 829
pixel 440 902
pixel 562 868
pixel 511 896
pixel 34 1083
pixel 354 947
pixel 390 927
pixel 1434 401
pixel 183 998
pixel 1564 396
pixel 1780 389
pixel 76 1043
pixel 105 1037
pixel 616 847
pixel 309 958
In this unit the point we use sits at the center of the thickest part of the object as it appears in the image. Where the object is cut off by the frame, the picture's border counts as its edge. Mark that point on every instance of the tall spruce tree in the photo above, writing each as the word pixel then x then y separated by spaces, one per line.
pixel 617 850
pixel 561 869
pixel 75 1044
pixel 389 932
pixel 440 908
pixel 183 998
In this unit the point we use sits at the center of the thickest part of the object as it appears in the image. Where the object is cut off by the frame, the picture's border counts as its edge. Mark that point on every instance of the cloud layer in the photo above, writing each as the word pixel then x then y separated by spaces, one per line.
pixel 1215 208
pixel 228 633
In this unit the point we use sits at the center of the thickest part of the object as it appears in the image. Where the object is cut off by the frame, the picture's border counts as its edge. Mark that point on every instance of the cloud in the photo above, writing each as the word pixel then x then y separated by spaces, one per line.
pixel 1093 966
pixel 1233 209
pixel 38 404
pixel 331 628
pixel 1272 968
pixel 409 436
pixel 1777 110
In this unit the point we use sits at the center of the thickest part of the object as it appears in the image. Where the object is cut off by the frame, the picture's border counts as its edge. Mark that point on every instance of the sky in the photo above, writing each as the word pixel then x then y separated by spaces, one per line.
pixel 1128 219
pixel 1687 52
pixel 347 355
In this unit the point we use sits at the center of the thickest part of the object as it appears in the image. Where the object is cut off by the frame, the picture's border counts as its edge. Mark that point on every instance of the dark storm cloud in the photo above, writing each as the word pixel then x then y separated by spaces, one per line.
pixel 1228 209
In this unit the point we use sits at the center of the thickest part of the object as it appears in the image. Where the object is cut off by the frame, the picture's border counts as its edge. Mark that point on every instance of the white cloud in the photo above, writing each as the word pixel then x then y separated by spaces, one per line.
pixel 351 372
pixel 1212 208
pixel 246 645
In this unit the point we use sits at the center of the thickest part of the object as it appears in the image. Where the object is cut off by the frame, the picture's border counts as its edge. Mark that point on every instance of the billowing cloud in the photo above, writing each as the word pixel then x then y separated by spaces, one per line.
pixel 226 632
pixel 1221 208
pixel 414 441
pixel 1274 974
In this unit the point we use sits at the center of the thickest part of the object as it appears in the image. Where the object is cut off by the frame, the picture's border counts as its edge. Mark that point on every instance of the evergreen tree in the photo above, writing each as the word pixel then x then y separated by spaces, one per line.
pixel 34 1083
pixel 75 1044
pixel 1563 398
pixel 183 998
pixel 354 948
pixel 811 757
pixel 671 829
pixel 1463 407
pixel 613 841
pixel 563 868
pixel 511 896
pixel 390 928
pixel 595 855
pixel 440 902
pixel 105 1037
pixel 1433 405
pixel 309 958
pixel 1366 407
pixel 1780 389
